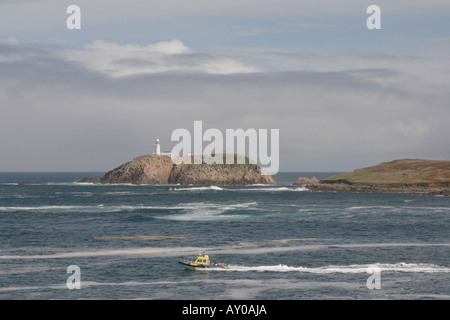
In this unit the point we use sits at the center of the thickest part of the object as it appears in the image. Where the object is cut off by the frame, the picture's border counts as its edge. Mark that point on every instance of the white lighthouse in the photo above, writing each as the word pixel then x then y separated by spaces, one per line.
pixel 158 148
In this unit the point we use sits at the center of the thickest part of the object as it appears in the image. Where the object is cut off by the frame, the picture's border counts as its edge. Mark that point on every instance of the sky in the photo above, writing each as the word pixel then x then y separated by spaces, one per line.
pixel 342 96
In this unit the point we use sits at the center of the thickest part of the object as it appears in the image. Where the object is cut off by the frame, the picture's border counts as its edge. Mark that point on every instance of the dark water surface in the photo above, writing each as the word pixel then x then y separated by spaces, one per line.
pixel 281 242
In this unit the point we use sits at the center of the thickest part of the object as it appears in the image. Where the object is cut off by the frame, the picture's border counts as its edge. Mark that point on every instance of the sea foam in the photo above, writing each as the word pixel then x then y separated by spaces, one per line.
pixel 353 268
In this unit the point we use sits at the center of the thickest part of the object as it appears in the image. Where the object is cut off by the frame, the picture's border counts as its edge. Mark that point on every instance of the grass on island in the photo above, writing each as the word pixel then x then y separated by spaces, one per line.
pixel 404 171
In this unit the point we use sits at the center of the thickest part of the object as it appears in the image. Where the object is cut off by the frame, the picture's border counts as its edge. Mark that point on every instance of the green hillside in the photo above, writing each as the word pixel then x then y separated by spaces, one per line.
pixel 404 171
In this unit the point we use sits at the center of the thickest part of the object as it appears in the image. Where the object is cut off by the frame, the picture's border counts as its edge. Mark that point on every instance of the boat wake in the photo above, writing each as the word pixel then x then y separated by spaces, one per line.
pixel 355 268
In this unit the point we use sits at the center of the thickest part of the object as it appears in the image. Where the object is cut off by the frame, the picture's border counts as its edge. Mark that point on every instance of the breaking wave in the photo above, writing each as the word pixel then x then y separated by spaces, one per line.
pixel 183 211
pixel 276 189
pixel 200 211
pixel 215 188
pixel 98 208
pixel 261 187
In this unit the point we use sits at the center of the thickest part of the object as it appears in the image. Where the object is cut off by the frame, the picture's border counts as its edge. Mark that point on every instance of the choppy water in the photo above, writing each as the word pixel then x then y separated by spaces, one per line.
pixel 281 242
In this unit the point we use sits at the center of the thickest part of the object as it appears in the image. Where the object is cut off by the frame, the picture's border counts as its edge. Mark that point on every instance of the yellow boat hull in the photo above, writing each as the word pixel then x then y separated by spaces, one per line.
pixel 196 266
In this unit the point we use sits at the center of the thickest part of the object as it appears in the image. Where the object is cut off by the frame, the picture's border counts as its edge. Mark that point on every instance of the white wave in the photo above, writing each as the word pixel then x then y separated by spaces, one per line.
pixel 413 267
pixel 129 252
pixel 241 205
pixel 384 209
pixel 194 210
pixel 271 189
pixel 74 209
pixel 125 193
pixel 106 185
pixel 287 189
pixel 428 208
pixel 31 288
pixel 39 208
pixel 203 215
pixel 355 268
pixel 257 187
pixel 74 183
pixel 207 205
pixel 202 211
pixel 20 196
pixel 370 207
pixel 78 194
pixel 86 284
pixel 216 188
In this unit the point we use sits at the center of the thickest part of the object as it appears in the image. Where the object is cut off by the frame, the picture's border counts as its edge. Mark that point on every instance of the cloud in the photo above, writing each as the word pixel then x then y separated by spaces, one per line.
pixel 167 56
pixel 286 24
pixel 92 109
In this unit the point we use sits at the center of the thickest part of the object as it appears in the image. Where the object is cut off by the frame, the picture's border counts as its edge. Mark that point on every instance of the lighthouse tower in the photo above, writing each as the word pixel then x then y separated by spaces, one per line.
pixel 158 147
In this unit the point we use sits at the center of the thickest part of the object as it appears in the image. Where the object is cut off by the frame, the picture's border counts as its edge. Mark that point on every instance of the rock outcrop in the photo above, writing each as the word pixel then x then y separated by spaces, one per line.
pixel 91 180
pixel 159 169
pixel 150 169
pixel 207 174
pixel 307 182
pixel 405 175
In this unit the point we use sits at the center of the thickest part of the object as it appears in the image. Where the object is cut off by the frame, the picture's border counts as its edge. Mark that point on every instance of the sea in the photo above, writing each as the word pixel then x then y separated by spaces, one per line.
pixel 63 240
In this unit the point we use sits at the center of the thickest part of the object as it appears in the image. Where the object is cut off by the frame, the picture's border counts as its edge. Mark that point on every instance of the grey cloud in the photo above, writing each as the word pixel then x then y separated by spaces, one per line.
pixel 69 116
pixel 46 18
pixel 167 56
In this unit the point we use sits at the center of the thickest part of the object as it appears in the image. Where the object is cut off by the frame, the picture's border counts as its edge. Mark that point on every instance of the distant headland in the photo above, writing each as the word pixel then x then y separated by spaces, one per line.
pixel 404 175
pixel 160 169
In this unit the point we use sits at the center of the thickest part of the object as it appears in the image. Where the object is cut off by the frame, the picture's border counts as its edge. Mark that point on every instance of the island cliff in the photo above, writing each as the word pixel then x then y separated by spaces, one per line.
pixel 405 175
pixel 159 169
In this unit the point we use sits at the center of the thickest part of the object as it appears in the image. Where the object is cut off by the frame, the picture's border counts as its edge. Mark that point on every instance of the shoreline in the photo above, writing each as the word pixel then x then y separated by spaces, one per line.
pixel 397 176
pixel 315 185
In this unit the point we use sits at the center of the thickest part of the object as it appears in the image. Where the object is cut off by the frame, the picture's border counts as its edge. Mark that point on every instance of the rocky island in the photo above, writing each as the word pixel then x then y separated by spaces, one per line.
pixel 159 169
pixel 404 175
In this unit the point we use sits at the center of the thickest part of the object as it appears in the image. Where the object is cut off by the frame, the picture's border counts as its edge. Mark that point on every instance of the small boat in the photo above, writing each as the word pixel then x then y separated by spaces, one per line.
pixel 202 261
